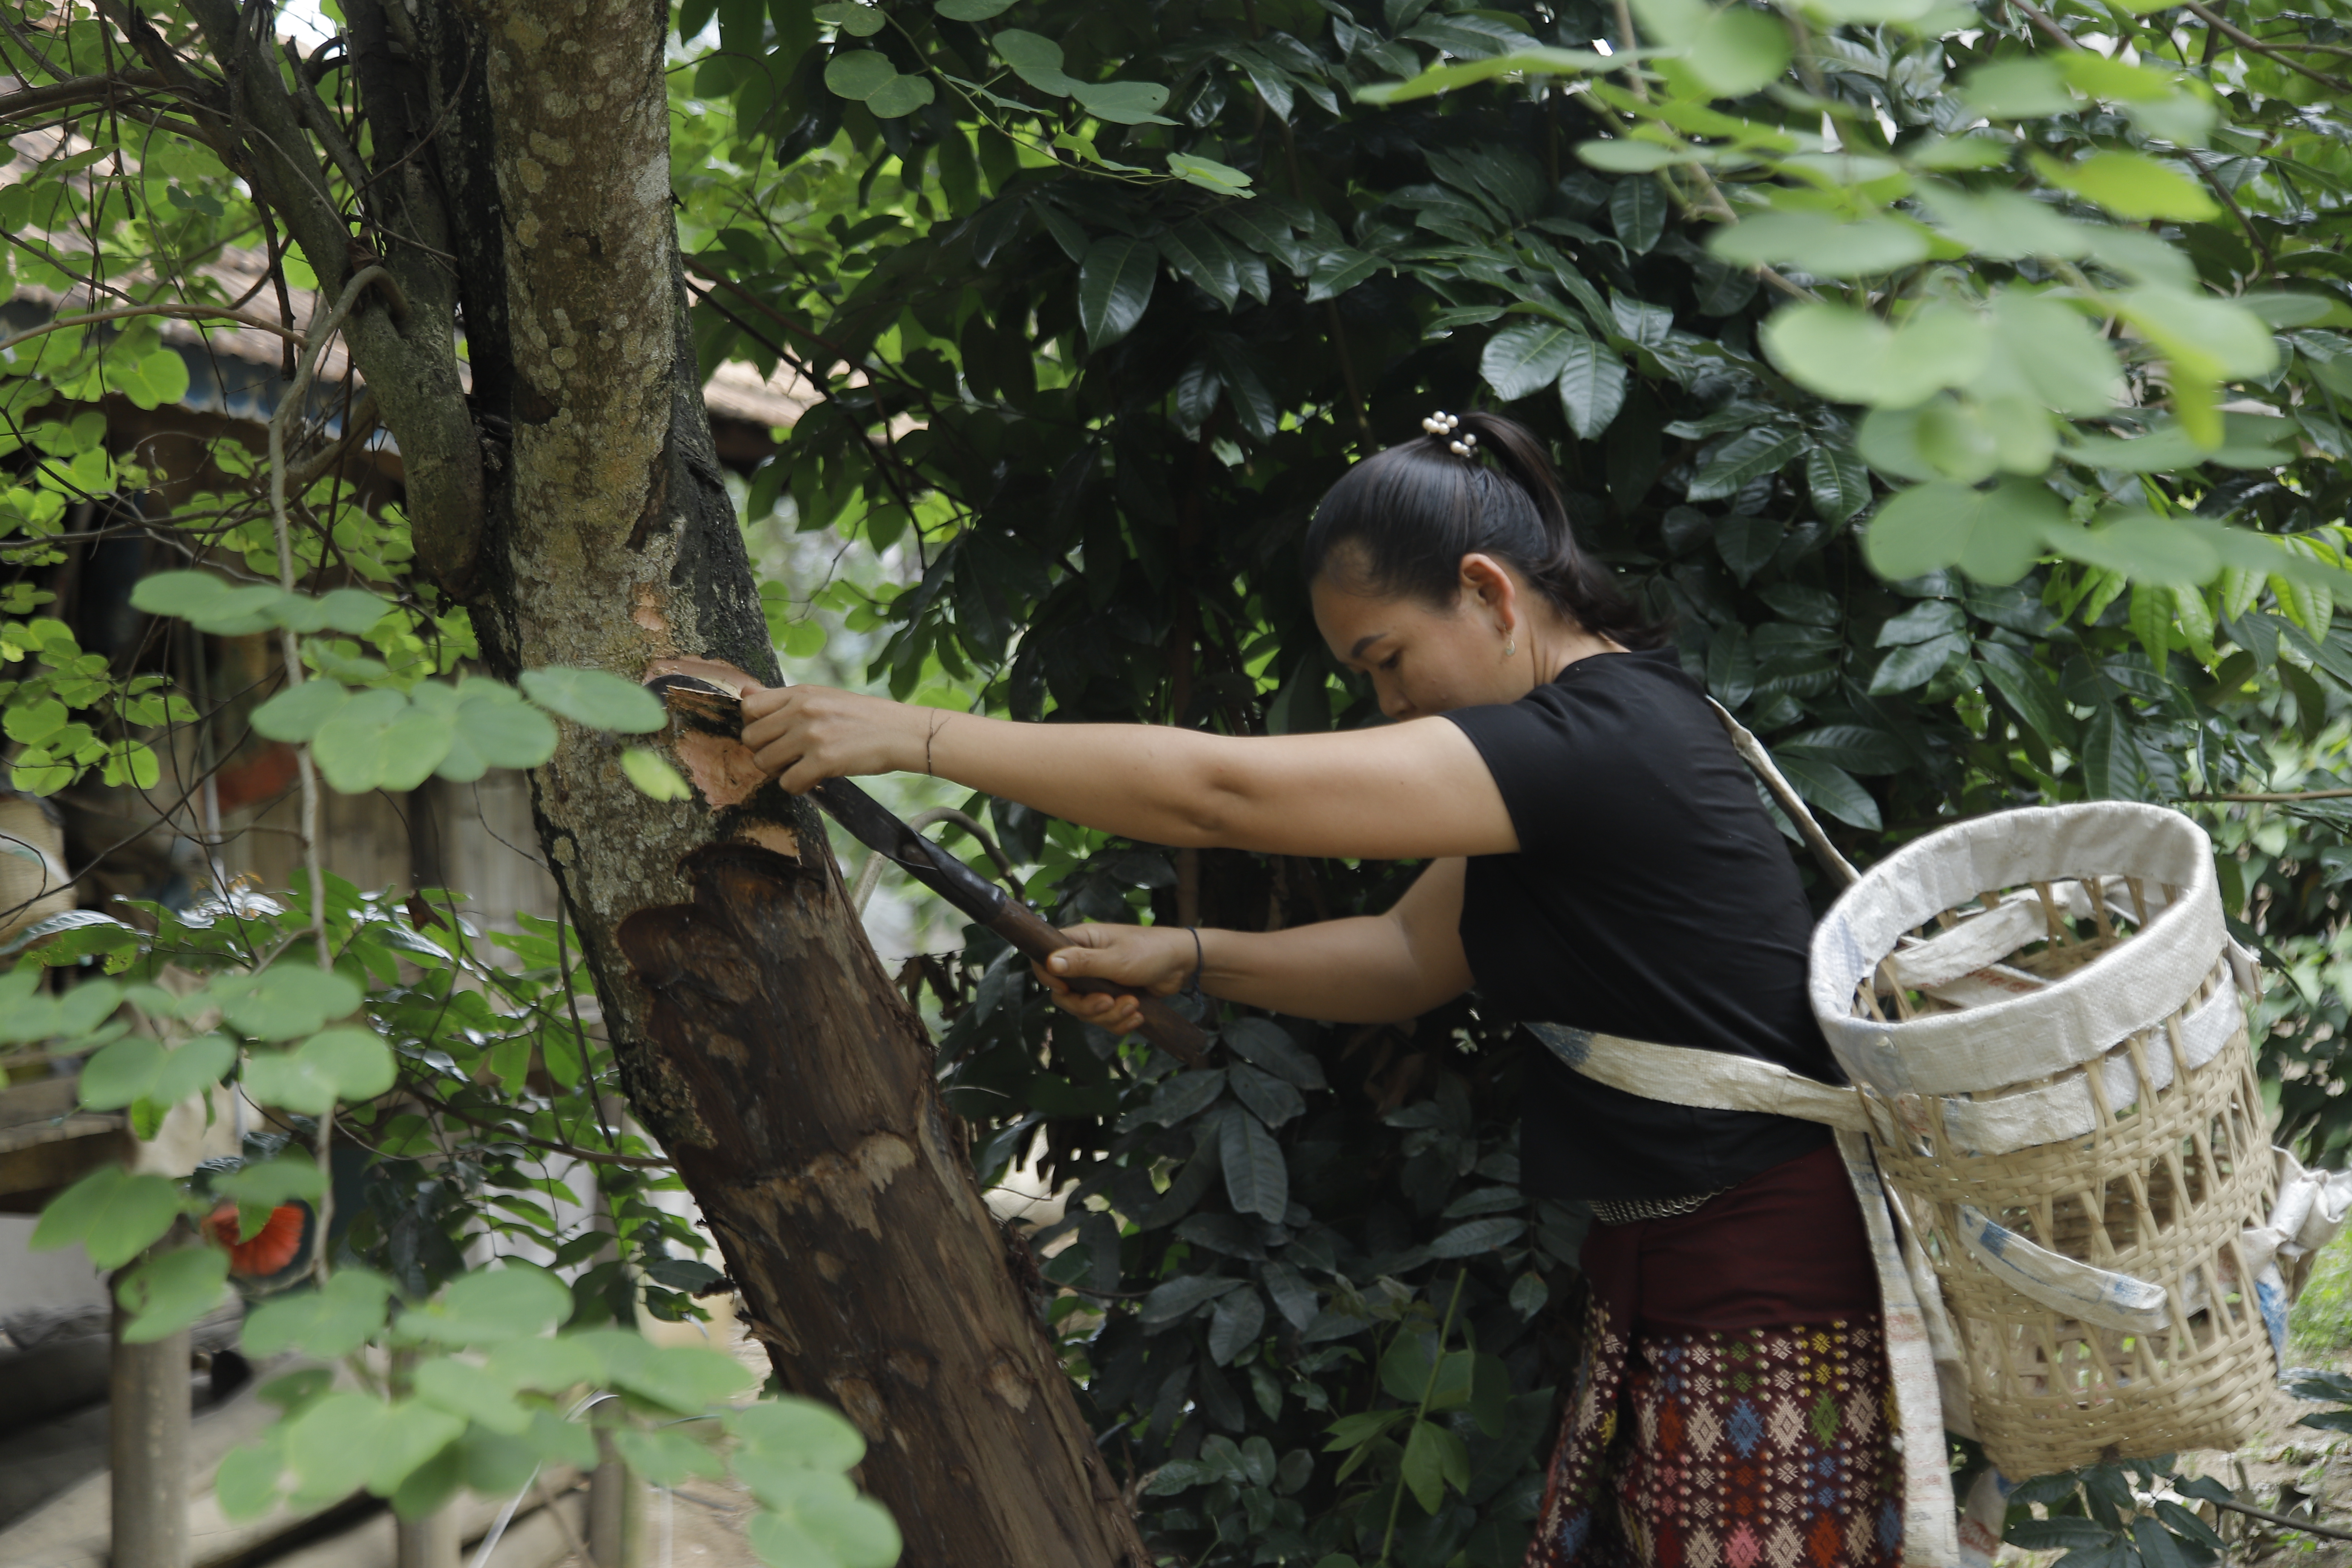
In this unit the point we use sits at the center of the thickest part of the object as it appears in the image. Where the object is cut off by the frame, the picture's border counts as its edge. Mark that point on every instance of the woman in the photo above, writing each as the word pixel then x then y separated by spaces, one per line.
pixel 1598 857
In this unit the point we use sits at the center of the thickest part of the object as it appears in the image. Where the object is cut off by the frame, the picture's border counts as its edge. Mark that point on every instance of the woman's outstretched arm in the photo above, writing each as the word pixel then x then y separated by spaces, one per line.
pixel 1374 969
pixel 1418 790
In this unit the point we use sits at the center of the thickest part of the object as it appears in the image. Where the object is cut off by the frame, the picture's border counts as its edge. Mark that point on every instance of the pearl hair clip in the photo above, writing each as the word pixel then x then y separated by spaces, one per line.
pixel 1444 423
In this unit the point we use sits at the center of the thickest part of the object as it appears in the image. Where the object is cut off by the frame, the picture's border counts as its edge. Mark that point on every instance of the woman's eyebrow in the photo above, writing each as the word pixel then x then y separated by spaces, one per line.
pixel 1364 642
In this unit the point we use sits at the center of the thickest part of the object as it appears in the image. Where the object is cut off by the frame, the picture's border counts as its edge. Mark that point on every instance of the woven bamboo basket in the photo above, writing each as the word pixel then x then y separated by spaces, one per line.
pixel 2044 1010
pixel 34 882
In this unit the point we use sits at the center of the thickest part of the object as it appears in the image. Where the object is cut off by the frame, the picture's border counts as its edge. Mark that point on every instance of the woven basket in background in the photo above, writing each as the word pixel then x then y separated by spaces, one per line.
pixel 2044 1006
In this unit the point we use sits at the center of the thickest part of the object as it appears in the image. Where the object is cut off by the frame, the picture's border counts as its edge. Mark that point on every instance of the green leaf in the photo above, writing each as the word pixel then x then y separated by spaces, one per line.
pixel 514 1301
pixel 135 1069
pixel 821 1520
pixel 1525 356
pixel 296 713
pixel 1114 286
pixel 798 1431
pixel 550 1366
pixel 1179 1297
pixel 465 1391
pixel 973 10
pixel 2006 226
pixel 2143 547
pixel 1336 271
pixel 1035 60
pixel 1625 157
pixel 1592 386
pixel 291 1174
pixel 596 699
pixel 167 1293
pixel 2018 90
pixel 1222 179
pixel 284 1000
pixel 493 727
pixel 1477 1236
pixel 1915 664
pixel 1637 211
pixel 1434 1457
pixel 1995 534
pixel 2132 185
pixel 855 73
pixel 1532 63
pixel 653 777
pixel 899 97
pixel 684 1378
pixel 380 740
pixel 2028 690
pixel 1257 1181
pixel 664 1459
pixel 245 1484
pixel 113 1213
pixel 1355 1431
pixel 857 21
pixel 1264 1043
pixel 1832 789
pixel 1748 456
pixel 1123 102
pixel 1839 481
pixel 1817 243
pixel 328 1322
pixel 1853 356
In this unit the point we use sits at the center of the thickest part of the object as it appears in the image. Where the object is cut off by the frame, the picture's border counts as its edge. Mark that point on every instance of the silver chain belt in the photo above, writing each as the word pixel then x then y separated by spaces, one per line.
pixel 1626 1211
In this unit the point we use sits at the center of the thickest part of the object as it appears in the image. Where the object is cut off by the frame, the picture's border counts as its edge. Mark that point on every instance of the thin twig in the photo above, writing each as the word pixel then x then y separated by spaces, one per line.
pixel 2261 246
pixel 75 89
pixel 189 313
pixel 2246 40
pixel 633 1162
pixel 2276 797
pixel 2306 1526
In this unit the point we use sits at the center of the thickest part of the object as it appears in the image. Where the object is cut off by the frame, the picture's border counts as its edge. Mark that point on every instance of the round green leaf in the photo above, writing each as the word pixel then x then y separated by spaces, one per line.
pixel 972 10
pixel 465 1390
pixel 857 21
pixel 333 1445
pixel 798 1432
pixel 1817 243
pixel 284 1000
pixel 291 1175
pixel 296 713
pixel 550 1366
pixel 493 727
pixel 858 74
pixel 516 1301
pixel 899 97
pixel 598 700
pixel 327 1323
pixel 1625 157
pixel 245 1484
pixel 121 1073
pixel 166 1294
pixel 2133 186
pixel 113 1213
pixel 1592 386
pixel 378 740
pixel 356 1063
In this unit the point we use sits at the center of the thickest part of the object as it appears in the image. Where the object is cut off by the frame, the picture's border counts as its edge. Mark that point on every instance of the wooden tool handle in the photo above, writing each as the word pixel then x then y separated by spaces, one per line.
pixel 1162 1024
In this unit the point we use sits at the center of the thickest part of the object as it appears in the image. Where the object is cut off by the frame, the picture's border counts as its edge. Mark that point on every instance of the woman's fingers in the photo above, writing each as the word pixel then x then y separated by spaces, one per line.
pixel 1108 1009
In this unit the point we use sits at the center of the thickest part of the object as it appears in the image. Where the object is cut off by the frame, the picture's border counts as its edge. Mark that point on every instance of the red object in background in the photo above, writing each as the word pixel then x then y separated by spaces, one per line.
pixel 271 1247
pixel 266 774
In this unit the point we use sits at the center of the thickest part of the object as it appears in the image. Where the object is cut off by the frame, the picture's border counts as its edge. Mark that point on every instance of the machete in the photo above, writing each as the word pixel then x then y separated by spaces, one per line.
pixel 709 706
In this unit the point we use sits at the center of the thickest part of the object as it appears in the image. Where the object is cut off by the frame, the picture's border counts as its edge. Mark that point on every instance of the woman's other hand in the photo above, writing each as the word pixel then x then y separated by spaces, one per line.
pixel 1156 960
pixel 806 734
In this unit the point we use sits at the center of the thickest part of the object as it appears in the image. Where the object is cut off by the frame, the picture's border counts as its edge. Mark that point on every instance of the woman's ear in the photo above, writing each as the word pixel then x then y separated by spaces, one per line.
pixel 1491 584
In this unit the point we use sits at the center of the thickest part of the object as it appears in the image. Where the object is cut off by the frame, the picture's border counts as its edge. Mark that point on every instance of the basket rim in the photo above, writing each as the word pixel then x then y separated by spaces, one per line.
pixel 2081 1015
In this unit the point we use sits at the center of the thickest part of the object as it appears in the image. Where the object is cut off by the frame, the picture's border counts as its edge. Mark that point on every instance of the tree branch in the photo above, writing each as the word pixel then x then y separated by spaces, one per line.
pixel 2275 798
pixel 186 312
pixel 2246 40
pixel 633 1162
pixel 76 89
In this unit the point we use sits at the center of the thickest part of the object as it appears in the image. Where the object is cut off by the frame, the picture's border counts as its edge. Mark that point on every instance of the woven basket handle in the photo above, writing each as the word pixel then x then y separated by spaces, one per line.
pixel 1751 752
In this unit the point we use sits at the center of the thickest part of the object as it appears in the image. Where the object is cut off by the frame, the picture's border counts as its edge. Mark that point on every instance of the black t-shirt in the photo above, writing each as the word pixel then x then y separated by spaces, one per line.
pixel 1651 898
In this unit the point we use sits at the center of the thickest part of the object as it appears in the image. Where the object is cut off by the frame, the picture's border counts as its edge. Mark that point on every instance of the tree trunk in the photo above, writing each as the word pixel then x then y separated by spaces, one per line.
pixel 758 1038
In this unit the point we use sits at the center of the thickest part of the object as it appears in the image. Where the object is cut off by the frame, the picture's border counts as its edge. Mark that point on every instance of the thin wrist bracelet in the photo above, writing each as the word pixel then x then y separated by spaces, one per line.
pixel 1192 985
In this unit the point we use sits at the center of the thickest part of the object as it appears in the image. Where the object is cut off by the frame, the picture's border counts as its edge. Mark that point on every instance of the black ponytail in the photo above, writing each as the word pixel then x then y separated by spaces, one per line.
pixel 1399 524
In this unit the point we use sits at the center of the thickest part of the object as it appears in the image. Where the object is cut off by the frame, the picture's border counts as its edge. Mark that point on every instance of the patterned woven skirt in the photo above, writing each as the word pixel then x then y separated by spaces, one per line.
pixel 1692 1446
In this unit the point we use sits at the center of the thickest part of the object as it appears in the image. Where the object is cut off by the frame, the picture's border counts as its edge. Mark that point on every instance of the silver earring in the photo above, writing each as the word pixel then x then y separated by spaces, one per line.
pixel 1511 645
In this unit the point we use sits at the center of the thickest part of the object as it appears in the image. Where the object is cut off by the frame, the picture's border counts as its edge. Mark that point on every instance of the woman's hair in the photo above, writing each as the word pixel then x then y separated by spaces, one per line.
pixel 1399 524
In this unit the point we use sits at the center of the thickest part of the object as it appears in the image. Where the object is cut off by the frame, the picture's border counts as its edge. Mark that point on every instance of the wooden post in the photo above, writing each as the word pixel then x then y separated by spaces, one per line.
pixel 428 1543
pixel 147 1442
pixel 615 1508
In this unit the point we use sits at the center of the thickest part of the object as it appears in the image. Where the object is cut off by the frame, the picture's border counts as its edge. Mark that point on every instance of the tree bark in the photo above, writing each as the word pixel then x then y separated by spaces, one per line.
pixel 758 1038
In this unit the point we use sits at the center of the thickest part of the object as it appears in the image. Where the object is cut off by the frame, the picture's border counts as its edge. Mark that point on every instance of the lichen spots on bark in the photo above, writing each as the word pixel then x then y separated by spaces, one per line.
pixel 1009 1383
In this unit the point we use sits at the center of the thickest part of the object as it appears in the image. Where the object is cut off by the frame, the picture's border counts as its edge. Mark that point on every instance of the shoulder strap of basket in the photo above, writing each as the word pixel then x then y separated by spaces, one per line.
pixel 1759 762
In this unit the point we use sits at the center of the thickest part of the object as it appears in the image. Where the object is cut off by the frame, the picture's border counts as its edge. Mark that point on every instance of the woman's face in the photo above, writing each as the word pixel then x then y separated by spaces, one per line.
pixel 1424 660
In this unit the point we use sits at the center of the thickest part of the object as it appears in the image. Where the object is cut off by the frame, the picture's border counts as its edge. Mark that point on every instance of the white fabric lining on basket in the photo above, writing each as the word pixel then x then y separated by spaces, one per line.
pixel 2133 986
